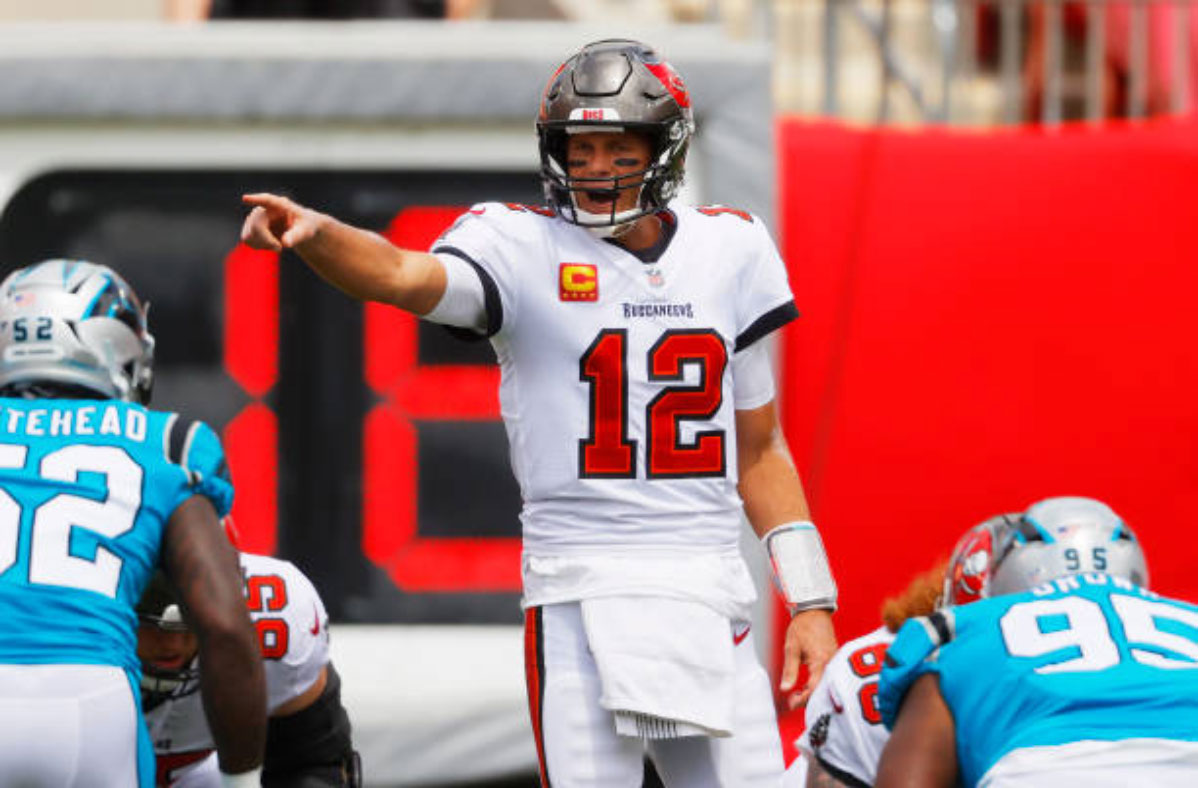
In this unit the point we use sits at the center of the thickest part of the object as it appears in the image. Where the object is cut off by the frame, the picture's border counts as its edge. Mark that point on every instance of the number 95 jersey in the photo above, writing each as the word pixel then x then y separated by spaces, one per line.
pixel 616 390
pixel 293 637
pixel 1088 675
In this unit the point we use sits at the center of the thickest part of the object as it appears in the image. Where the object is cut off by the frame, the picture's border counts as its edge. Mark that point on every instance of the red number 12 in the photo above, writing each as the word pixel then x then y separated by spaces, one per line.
pixel 608 452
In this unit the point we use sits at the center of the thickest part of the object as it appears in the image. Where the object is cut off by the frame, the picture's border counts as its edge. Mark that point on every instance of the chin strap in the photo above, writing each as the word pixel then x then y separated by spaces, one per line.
pixel 800 564
pixel 606 225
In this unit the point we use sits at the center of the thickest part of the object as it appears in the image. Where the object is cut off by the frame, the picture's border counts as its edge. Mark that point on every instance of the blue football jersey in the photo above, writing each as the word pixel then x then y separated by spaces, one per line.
pixel 86 489
pixel 1086 657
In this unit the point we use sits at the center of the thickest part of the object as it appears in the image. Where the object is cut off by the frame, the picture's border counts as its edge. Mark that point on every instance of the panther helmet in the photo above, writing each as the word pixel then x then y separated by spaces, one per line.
pixel 159 607
pixel 73 328
pixel 1066 536
pixel 970 569
pixel 615 85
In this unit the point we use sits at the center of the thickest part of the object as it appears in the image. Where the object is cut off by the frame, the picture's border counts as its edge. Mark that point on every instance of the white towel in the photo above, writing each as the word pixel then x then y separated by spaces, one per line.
pixel 665 665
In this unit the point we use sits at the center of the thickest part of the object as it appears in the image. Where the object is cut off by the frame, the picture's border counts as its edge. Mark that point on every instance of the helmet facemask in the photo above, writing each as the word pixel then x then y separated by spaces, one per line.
pixel 159 615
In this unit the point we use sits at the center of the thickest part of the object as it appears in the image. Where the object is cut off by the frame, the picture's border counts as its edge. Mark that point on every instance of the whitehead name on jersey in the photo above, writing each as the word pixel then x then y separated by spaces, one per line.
pixel 87 489
pixel 293 636
pixel 1090 662
pixel 844 730
pixel 616 386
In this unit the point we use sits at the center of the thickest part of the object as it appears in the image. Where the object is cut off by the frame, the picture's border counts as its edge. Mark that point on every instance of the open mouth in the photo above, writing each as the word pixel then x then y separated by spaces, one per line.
pixel 169 662
pixel 604 197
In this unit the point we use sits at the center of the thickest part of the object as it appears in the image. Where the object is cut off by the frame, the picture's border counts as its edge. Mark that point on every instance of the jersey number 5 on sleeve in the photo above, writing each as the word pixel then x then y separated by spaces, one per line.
pixel 1083 639
pixel 609 452
pixel 51 560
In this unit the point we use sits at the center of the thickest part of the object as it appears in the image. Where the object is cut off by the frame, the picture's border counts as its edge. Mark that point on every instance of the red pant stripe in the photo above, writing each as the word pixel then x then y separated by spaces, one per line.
pixel 534 674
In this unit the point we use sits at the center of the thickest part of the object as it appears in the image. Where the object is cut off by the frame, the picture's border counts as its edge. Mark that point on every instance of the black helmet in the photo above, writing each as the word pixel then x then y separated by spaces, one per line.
pixel 615 84
pixel 159 607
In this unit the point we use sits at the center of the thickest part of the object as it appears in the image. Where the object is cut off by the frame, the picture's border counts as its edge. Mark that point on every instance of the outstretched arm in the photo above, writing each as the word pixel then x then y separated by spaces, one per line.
pixel 922 749
pixel 203 566
pixel 360 263
pixel 773 495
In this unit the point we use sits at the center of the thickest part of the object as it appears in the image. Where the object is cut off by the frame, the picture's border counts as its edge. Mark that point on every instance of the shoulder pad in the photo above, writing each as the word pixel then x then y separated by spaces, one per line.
pixel 499 211
pixel 194 447
pixel 913 653
pixel 488 227
pixel 724 210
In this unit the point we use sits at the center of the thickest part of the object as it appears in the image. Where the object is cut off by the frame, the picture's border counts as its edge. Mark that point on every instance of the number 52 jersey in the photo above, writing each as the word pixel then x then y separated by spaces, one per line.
pixel 86 490
pixel 616 390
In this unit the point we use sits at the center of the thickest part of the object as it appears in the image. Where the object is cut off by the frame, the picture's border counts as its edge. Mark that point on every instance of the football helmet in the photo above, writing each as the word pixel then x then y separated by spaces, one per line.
pixel 1066 536
pixel 159 608
pixel 73 328
pixel 968 576
pixel 614 85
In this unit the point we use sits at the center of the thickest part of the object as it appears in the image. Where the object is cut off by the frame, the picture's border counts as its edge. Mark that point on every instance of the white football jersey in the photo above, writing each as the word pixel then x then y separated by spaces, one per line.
pixel 616 377
pixel 293 635
pixel 844 730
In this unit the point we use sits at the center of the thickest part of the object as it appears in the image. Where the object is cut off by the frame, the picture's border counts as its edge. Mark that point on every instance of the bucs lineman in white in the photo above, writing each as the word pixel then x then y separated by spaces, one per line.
pixel 639 404
pixel 308 733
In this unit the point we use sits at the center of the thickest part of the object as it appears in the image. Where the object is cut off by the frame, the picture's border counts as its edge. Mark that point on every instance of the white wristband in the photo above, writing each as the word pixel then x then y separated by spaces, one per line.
pixel 250 779
pixel 801 568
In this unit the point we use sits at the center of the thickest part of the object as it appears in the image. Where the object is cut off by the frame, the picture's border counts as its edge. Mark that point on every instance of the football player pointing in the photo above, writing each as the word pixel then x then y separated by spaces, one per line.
pixel 639 405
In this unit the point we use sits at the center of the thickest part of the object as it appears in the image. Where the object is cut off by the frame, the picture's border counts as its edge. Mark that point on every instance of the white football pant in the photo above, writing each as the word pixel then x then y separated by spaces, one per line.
pixel 576 738
pixel 67 726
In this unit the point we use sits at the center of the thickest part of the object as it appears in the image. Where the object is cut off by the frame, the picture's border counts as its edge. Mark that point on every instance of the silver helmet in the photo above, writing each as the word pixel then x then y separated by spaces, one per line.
pixel 620 85
pixel 75 328
pixel 1065 536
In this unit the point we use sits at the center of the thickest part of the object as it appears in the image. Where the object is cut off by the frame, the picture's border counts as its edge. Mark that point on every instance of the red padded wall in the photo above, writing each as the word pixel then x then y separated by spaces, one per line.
pixel 989 319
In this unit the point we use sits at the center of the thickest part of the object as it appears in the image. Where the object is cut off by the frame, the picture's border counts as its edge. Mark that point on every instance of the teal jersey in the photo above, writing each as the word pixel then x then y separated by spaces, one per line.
pixel 1086 657
pixel 86 489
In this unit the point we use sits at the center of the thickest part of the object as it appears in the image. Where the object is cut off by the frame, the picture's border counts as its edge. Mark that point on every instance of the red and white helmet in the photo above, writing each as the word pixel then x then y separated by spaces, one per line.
pixel 615 85
pixel 972 564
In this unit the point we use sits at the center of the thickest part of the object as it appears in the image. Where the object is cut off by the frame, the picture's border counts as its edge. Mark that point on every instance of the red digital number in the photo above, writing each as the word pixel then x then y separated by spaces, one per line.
pixel 608 452
pixel 410 392
pixel 251 358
